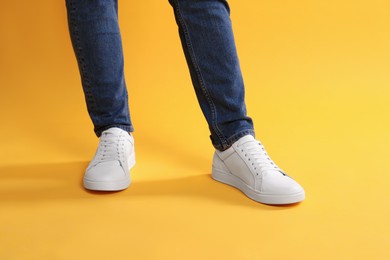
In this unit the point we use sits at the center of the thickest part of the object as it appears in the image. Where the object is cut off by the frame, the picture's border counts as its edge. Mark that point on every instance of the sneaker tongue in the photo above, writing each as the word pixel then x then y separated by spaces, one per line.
pixel 245 139
pixel 114 130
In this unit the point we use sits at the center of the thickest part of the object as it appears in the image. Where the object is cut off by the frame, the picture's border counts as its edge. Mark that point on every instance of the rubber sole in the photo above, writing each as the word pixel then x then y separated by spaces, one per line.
pixel 107 186
pixel 271 199
pixel 112 185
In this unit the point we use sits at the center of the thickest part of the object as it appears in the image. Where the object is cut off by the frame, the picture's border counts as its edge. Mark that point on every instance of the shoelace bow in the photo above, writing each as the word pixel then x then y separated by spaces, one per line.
pixel 262 161
pixel 111 147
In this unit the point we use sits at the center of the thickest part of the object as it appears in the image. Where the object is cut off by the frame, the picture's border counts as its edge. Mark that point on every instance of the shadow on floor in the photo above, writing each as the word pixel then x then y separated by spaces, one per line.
pixel 63 181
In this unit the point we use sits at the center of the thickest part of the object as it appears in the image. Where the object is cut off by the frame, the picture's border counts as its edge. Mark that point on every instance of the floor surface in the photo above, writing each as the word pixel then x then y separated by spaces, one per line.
pixel 317 86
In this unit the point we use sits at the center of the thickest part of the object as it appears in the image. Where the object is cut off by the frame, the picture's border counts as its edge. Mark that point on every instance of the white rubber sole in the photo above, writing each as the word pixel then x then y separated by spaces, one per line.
pixel 272 199
pixel 112 185
pixel 107 186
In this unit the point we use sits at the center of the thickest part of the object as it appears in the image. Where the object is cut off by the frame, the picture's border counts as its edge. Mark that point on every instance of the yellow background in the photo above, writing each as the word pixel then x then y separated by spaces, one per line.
pixel 317 84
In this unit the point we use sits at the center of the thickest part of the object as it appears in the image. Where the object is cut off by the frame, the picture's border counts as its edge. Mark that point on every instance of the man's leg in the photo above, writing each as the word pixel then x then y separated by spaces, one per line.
pixel 95 35
pixel 96 39
pixel 239 160
pixel 206 34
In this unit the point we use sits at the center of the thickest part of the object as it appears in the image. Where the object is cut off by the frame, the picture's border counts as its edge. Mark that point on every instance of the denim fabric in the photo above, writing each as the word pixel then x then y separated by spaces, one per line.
pixel 206 34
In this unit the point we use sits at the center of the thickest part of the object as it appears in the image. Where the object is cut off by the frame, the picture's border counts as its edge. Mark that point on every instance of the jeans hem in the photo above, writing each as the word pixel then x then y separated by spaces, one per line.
pixel 126 128
pixel 232 139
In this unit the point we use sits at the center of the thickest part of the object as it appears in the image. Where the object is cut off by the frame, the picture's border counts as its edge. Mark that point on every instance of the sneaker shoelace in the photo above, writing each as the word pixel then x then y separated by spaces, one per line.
pixel 258 157
pixel 111 148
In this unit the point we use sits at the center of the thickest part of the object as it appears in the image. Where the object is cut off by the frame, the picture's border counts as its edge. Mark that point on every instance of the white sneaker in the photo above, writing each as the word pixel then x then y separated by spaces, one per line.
pixel 247 166
pixel 109 170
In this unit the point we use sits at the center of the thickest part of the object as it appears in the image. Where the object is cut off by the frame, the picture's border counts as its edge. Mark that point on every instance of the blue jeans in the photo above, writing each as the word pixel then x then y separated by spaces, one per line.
pixel 208 43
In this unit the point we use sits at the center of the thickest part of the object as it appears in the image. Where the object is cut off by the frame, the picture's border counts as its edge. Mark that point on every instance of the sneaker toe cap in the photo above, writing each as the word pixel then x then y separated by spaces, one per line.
pixel 106 171
pixel 279 184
